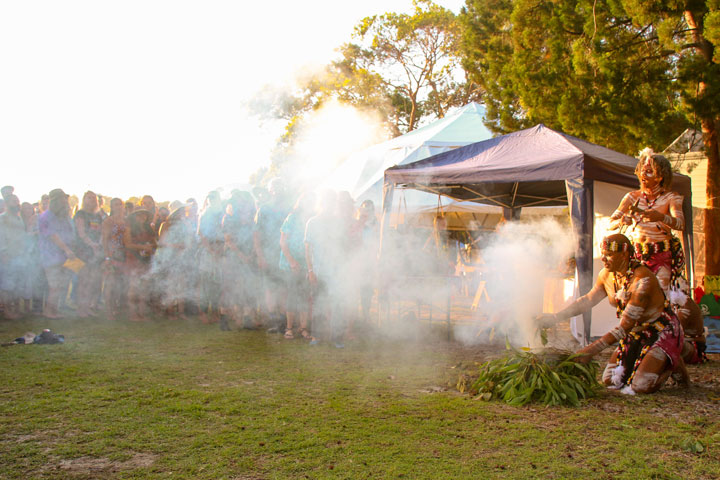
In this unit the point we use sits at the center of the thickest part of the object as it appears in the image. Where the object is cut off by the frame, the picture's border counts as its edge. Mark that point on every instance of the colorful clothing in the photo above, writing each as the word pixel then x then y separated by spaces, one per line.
pixel 668 254
pixel 664 333
pixel 48 225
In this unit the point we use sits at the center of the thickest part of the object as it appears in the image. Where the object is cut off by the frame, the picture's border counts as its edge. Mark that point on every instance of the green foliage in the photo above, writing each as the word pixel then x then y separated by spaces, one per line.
pixel 403 68
pixel 693 445
pixel 549 376
pixel 619 73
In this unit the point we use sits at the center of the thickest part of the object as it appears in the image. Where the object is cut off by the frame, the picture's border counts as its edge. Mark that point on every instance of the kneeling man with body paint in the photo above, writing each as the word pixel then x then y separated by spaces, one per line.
pixel 649 334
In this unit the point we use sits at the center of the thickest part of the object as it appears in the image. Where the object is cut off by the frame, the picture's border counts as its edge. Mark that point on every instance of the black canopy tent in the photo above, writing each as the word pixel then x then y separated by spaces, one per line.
pixel 533 167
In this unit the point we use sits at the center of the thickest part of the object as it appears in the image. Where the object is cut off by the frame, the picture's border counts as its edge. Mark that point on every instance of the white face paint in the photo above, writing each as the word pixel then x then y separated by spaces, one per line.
pixel 634 312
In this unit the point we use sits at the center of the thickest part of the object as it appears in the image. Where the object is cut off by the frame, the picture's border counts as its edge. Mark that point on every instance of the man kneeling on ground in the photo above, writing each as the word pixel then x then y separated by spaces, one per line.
pixel 649 334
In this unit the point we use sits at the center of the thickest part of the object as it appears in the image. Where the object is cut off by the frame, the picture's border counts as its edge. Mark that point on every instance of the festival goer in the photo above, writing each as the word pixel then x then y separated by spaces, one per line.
pixel 163 214
pixel 649 334
pixel 268 220
pixel 13 279
pixel 101 207
pixel 238 274
pixel 44 203
pixel 56 242
pixel 113 243
pixel 147 202
pixel 652 213
pixel 140 243
pixel 210 252
pixel 190 260
pixel 170 263
pixel 35 274
pixel 6 191
pixel 294 267
pixel 129 207
pixel 324 237
pixel 88 247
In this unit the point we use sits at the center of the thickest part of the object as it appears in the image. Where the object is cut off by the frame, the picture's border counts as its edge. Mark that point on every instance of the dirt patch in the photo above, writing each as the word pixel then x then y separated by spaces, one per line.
pixel 86 465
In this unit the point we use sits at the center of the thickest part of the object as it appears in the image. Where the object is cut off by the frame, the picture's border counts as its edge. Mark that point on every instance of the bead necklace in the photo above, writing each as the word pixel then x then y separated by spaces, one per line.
pixel 622 298
pixel 656 193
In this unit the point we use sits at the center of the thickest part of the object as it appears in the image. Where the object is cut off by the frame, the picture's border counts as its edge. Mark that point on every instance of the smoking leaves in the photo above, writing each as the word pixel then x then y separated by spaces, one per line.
pixel 547 376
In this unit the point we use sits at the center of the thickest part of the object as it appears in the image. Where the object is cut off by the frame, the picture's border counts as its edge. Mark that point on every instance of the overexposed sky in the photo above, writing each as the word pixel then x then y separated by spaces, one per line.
pixel 135 97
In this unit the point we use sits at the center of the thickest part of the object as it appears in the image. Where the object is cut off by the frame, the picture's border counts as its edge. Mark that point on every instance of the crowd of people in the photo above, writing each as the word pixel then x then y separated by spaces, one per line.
pixel 253 260
pixel 260 261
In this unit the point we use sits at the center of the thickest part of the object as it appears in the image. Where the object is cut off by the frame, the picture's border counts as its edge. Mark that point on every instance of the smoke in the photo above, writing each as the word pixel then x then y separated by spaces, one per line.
pixel 325 138
pixel 518 261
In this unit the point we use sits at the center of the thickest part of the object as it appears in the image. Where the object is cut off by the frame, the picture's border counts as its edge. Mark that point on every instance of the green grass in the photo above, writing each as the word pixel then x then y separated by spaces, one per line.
pixel 184 400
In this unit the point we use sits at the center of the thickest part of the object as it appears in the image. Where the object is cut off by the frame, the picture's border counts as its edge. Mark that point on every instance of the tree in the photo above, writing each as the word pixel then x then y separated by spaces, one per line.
pixel 403 67
pixel 622 73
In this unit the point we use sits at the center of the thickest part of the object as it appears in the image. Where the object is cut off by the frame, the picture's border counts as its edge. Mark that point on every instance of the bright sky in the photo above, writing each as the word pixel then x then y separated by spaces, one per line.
pixel 134 97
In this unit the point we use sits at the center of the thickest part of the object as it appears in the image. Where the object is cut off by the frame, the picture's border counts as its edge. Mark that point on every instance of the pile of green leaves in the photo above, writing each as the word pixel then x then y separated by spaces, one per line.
pixel 548 376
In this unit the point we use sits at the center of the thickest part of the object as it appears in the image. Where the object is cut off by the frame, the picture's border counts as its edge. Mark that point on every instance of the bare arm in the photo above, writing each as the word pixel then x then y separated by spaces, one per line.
pixel 581 305
pixel 621 216
pixel 294 265
pixel 632 314
pixel 309 262
pixel 61 245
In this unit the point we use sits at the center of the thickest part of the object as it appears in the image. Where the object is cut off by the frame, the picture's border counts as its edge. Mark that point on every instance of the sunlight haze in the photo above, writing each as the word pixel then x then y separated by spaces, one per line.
pixel 128 98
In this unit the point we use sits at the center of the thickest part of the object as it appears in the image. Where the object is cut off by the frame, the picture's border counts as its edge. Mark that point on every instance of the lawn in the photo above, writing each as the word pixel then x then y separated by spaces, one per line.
pixel 179 399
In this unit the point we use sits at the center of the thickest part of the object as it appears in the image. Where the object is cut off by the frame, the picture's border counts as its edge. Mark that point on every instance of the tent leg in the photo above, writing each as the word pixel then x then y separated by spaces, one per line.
pixel 587 322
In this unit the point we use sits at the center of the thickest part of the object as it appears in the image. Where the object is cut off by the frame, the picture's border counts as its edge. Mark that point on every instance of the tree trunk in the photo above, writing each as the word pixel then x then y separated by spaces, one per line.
pixel 710 140
pixel 712 189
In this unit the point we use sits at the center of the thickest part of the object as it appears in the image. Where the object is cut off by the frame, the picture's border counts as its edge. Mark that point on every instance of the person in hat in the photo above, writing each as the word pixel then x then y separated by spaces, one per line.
pixel 56 242
pixel 649 335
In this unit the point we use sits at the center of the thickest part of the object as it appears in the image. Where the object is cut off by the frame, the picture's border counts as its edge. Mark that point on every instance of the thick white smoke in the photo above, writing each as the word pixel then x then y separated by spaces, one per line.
pixel 518 261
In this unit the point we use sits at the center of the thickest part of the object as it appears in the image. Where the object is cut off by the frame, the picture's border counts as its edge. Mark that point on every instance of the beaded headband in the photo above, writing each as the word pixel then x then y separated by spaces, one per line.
pixel 614 246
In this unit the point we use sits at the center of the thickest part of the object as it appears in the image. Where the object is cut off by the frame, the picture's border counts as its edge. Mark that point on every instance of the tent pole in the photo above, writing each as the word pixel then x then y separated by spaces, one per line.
pixel 580 193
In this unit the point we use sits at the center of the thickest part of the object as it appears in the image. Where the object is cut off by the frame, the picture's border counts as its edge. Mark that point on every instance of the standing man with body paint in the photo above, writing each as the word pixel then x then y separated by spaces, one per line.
pixel 649 334
pixel 652 213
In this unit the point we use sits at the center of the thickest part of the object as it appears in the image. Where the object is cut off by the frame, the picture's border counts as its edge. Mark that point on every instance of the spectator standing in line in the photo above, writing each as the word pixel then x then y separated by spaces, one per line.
pixel 210 252
pixel 294 267
pixel 140 243
pixel 170 267
pixel 266 238
pixel 88 227
pixel 56 242
pixel 192 274
pixel 239 276
pixel 12 257
pixel 324 256
pixel 113 243
pixel 37 284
